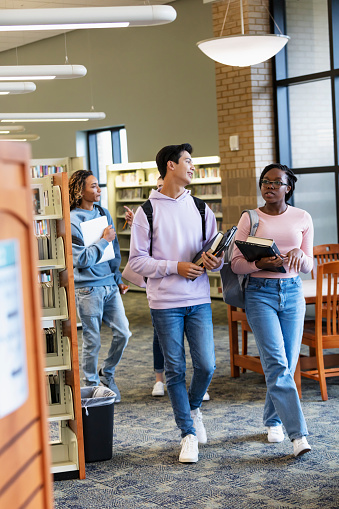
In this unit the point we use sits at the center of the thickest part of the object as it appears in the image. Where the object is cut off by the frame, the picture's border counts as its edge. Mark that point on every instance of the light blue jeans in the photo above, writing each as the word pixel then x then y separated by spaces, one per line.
pixel 97 304
pixel 196 323
pixel 275 310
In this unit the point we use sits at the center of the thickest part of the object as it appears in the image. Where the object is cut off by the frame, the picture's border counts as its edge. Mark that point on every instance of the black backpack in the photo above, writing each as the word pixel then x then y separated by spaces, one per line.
pixel 148 209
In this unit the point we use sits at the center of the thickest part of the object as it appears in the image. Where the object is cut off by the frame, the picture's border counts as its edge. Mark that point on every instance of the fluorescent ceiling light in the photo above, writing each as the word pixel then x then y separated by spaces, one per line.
pixel 52 117
pixel 41 72
pixel 17 88
pixel 72 18
pixel 20 137
pixel 243 50
pixel 4 129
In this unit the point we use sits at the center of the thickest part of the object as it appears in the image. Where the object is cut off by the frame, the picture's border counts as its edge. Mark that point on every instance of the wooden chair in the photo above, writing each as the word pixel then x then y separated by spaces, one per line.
pixel 237 316
pixel 324 253
pixel 322 333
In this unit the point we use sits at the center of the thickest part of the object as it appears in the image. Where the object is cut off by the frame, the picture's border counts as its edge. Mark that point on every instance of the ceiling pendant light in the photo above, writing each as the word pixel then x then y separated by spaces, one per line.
pixel 41 72
pixel 52 117
pixel 242 50
pixel 24 87
pixel 72 18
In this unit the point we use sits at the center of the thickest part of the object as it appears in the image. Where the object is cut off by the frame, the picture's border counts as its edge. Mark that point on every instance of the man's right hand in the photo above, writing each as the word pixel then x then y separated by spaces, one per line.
pixel 189 270
pixel 108 233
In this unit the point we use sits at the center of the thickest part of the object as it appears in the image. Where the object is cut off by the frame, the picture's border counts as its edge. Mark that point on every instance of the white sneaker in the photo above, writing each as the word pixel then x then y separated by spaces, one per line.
pixel 275 434
pixel 189 449
pixel 158 389
pixel 300 446
pixel 206 397
pixel 199 426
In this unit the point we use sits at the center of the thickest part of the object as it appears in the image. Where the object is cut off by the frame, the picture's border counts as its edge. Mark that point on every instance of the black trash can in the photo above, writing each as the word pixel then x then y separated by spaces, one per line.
pixel 98 418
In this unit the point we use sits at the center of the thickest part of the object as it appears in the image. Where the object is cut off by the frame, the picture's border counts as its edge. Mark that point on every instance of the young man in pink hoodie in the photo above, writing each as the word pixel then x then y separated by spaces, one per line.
pixel 178 291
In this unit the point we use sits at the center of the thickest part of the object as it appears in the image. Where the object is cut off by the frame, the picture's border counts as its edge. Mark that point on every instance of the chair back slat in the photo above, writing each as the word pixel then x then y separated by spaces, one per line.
pixel 324 253
pixel 328 293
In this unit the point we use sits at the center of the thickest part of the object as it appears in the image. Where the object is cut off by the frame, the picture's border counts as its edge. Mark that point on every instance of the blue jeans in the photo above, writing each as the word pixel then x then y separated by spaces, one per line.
pixel 275 310
pixel 158 358
pixel 196 323
pixel 97 304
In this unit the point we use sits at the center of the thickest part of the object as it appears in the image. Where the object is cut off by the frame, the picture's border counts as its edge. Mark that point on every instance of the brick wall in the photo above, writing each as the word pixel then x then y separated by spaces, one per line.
pixel 245 108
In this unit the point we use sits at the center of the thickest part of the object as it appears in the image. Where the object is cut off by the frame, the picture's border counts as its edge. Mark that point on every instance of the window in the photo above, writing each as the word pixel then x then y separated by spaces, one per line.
pixel 307 103
pixel 106 146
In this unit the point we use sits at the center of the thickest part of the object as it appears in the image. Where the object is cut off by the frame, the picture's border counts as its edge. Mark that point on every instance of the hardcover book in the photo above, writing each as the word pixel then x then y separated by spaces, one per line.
pixel 216 246
pixel 255 248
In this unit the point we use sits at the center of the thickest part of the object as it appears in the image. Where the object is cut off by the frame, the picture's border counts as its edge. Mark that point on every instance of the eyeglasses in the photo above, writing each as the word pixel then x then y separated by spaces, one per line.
pixel 276 183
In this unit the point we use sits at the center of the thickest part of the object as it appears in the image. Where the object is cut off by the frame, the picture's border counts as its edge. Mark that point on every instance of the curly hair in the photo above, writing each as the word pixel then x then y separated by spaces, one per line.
pixel 291 178
pixel 76 186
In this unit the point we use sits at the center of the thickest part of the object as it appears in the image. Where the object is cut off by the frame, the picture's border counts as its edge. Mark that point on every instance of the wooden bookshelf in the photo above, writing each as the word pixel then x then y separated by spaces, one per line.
pixel 62 363
pixel 25 479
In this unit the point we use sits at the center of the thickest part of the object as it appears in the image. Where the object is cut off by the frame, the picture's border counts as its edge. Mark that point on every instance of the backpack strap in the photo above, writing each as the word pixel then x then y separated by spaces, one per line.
pixel 148 209
pixel 100 209
pixel 201 206
pixel 77 241
pixel 254 220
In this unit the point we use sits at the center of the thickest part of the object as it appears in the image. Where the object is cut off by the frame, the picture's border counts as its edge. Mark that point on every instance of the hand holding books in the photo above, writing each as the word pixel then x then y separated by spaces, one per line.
pixel 262 251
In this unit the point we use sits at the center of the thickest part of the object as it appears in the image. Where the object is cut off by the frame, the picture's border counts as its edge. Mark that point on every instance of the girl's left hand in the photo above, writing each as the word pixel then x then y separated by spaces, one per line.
pixel 294 258
pixel 212 262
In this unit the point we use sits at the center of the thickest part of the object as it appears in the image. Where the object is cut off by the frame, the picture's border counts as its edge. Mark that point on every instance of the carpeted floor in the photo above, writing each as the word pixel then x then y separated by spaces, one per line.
pixel 237 468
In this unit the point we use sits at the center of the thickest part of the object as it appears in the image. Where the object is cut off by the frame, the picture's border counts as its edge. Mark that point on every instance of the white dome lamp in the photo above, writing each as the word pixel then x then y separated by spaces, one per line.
pixel 243 50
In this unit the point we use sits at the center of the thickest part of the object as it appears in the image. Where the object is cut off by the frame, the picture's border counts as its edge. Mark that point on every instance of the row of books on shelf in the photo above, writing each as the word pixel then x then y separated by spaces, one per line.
pixel 47 294
pixel 45 169
pixel 206 189
pixel 45 282
pixel 206 172
pixel 51 343
pixel 44 247
pixel 53 388
pixel 216 207
pixel 133 193
pixel 133 177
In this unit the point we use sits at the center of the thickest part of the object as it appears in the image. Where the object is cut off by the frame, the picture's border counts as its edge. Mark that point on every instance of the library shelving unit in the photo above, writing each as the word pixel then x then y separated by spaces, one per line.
pixel 25 479
pixel 43 167
pixel 131 183
pixel 59 323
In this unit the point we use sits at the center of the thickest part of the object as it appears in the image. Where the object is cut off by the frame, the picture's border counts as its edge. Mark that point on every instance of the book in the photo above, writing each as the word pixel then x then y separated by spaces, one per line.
pixel 216 246
pixel 255 248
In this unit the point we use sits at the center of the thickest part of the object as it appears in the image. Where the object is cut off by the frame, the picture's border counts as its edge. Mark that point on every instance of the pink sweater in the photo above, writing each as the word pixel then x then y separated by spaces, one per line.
pixel 292 229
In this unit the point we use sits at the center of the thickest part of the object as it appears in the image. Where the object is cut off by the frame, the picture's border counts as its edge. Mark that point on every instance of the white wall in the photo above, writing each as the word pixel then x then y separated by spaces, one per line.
pixel 153 80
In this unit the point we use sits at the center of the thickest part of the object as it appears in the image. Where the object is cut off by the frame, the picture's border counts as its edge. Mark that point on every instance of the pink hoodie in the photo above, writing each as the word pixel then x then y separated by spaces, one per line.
pixel 177 237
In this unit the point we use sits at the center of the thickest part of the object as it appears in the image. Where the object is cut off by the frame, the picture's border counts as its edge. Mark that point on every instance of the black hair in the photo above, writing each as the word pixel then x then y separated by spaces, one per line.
pixel 170 153
pixel 76 187
pixel 291 178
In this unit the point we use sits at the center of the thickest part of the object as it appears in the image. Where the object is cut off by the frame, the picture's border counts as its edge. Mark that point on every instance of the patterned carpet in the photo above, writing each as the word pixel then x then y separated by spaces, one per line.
pixel 237 468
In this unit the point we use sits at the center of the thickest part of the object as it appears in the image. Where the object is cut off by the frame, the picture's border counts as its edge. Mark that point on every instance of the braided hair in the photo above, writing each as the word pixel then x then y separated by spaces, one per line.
pixel 76 186
pixel 291 178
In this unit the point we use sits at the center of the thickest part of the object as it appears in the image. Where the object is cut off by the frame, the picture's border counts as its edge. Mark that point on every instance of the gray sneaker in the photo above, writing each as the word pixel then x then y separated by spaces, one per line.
pixel 109 382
